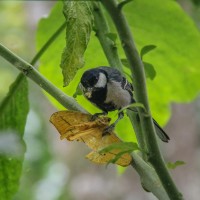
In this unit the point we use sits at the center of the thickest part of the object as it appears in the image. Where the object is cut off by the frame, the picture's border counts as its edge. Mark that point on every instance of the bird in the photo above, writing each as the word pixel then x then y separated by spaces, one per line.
pixel 109 90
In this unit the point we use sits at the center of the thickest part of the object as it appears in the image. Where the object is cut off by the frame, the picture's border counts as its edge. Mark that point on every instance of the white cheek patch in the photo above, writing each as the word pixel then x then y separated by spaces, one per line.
pixel 117 95
pixel 102 81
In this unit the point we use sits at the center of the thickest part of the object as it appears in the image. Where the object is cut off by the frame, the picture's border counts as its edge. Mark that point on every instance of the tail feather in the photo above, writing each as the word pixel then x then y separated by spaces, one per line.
pixel 160 132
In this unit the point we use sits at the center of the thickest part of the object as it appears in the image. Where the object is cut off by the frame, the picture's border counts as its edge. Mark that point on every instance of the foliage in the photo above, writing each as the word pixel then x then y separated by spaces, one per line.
pixel 174 61
pixel 13 113
pixel 124 147
pixel 163 24
pixel 171 165
pixel 50 68
pixel 78 28
pixel 153 22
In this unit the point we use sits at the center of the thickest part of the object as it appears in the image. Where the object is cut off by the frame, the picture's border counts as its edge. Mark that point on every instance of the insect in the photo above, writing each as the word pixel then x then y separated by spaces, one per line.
pixel 109 90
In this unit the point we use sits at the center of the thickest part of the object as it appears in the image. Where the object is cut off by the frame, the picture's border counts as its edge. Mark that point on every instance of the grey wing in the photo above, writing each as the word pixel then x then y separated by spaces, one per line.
pixel 113 74
pixel 127 86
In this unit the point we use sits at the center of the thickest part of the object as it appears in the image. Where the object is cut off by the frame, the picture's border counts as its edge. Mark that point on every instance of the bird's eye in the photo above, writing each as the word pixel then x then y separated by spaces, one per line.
pixel 89 78
pixel 92 81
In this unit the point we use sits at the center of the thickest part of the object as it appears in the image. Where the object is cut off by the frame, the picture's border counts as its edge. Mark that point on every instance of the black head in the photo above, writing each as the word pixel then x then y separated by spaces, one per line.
pixel 93 77
pixel 94 86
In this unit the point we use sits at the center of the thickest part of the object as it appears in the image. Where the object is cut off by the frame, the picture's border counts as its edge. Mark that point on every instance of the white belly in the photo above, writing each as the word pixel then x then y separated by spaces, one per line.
pixel 117 95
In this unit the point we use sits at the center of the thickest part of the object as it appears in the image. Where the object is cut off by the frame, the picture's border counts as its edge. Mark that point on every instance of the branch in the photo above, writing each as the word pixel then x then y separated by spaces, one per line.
pixel 148 176
pixel 29 71
pixel 149 179
pixel 137 70
pixel 111 53
pixel 138 131
pixel 102 29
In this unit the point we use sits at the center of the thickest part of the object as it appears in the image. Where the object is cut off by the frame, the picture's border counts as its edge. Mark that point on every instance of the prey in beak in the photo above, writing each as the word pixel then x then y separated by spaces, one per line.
pixel 86 91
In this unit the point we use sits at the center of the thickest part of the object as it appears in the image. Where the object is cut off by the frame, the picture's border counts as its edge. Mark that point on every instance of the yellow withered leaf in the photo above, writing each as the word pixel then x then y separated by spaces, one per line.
pixel 78 126
pixel 105 158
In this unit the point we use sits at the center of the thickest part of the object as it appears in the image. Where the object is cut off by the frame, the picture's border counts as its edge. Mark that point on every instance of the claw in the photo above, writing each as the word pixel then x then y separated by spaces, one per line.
pixel 96 115
pixel 108 130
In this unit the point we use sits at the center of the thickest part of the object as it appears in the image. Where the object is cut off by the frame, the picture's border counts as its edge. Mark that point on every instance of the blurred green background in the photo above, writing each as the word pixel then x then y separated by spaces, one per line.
pixel 55 169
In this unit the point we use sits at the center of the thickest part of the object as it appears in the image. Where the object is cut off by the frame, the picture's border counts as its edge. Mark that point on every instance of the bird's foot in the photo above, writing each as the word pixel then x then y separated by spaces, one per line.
pixel 96 115
pixel 108 130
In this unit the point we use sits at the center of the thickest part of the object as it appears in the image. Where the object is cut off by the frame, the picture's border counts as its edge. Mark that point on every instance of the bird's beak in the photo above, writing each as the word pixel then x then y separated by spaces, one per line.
pixel 88 92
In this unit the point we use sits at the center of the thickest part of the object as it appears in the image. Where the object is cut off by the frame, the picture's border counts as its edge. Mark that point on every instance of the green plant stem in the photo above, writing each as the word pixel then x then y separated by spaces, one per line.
pixel 101 28
pixel 147 174
pixel 48 43
pixel 138 130
pixel 149 179
pixel 110 50
pixel 137 69
pixel 29 71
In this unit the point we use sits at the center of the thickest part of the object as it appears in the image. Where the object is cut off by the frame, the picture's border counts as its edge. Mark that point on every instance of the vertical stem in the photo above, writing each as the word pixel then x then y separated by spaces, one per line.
pixel 110 50
pixel 138 131
pixel 137 70
pixel 149 178
pixel 109 47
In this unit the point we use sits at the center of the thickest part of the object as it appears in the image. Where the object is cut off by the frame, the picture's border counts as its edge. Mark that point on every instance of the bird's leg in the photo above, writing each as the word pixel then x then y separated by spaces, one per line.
pixel 133 109
pixel 112 126
pixel 96 115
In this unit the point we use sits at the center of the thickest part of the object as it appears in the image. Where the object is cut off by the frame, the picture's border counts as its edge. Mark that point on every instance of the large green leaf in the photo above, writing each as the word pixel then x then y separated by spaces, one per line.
pixel 13 113
pixel 49 63
pixel 176 58
pixel 79 22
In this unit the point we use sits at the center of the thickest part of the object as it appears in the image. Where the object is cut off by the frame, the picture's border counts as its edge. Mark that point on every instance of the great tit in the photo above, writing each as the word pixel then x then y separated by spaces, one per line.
pixel 109 90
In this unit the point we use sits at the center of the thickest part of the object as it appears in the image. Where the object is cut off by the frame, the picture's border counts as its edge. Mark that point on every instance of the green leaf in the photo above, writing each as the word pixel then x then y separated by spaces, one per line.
pixel 117 157
pixel 123 3
pixel 146 49
pixel 125 62
pixel 149 69
pixel 13 113
pixel 78 29
pixel 112 36
pixel 176 58
pixel 150 72
pixel 171 165
pixel 196 2
pixel 94 56
pixel 134 105
pixel 78 92
pixel 122 146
